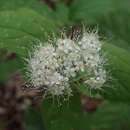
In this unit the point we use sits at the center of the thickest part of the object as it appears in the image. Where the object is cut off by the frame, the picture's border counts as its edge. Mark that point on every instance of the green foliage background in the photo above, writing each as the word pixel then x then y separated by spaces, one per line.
pixel 24 23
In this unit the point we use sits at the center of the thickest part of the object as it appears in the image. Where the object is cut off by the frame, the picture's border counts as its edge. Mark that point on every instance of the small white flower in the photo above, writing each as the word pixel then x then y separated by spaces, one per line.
pixel 54 65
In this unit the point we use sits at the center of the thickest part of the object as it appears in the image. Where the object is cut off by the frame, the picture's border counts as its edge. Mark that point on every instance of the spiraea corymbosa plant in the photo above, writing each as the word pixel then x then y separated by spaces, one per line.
pixel 54 66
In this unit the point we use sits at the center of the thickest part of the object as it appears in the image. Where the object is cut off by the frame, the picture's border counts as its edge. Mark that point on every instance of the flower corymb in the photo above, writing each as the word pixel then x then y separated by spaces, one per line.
pixel 54 65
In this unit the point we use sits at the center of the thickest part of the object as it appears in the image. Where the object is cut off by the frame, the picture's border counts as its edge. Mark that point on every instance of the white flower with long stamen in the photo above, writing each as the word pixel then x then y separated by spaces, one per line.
pixel 53 65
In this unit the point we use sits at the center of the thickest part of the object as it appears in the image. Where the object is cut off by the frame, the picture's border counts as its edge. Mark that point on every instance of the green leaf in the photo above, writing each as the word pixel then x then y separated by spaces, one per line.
pixel 109 116
pixel 119 67
pixel 67 117
pixel 112 26
pixel 21 29
pixel 90 9
pixel 6 68
pixel 62 12
pixel 33 120
pixel 36 5
pixel 39 6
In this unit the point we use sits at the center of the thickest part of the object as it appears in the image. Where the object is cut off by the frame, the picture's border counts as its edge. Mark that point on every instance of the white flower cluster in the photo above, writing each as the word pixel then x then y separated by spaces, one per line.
pixel 54 65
